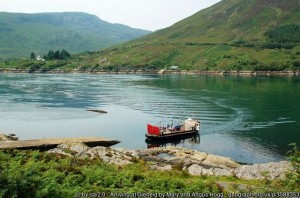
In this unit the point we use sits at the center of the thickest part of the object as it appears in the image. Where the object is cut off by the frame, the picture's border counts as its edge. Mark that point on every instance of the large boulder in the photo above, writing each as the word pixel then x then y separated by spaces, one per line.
pixel 198 170
pixel 128 152
pixel 195 169
pixel 199 156
pixel 112 156
pixel 71 149
pixel 222 172
pixel 271 170
pixel 218 161
pixel 74 148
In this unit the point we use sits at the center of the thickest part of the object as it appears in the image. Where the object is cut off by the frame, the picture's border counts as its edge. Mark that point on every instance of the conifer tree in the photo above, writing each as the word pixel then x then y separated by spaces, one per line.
pixel 32 56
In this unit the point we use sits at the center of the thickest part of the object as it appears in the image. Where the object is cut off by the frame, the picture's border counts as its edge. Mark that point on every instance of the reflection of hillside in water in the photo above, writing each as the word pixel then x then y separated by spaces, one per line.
pixel 188 139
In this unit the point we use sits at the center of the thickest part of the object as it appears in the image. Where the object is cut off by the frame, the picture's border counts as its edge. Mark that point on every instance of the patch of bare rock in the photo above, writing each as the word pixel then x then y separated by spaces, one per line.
pixel 8 137
pixel 168 158
pixel 271 170
pixel 107 154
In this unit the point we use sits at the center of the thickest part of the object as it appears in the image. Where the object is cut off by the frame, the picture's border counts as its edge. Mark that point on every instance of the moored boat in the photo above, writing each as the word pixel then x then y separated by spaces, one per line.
pixel 192 139
pixel 162 131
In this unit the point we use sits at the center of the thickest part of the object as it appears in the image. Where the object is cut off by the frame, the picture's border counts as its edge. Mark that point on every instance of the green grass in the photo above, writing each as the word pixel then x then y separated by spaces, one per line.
pixel 36 174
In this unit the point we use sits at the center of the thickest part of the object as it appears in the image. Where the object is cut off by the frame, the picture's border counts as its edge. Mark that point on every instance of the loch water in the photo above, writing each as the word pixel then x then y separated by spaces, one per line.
pixel 249 119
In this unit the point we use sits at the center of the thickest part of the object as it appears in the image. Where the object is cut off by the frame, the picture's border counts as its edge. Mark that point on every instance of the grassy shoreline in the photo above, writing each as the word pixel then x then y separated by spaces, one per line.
pixel 40 174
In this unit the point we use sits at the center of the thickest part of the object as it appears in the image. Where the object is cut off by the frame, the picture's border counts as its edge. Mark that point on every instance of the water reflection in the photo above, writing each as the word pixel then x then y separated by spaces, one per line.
pixel 190 139
pixel 249 119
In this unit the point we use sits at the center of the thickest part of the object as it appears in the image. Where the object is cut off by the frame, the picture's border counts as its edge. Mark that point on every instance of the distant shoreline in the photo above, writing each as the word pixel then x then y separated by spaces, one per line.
pixel 182 72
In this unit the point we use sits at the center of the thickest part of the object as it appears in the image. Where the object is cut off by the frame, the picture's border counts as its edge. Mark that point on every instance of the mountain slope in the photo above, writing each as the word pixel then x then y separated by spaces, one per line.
pixel 230 35
pixel 21 34
pixel 233 20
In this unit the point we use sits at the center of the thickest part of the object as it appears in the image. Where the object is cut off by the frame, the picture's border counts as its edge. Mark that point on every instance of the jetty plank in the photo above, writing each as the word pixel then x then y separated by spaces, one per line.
pixel 54 142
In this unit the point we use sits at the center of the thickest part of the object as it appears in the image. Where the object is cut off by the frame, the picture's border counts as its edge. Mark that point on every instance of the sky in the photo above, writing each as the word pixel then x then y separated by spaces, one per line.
pixel 143 14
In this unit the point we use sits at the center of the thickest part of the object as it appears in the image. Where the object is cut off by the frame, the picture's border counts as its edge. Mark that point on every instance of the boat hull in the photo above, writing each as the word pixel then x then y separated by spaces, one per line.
pixel 170 135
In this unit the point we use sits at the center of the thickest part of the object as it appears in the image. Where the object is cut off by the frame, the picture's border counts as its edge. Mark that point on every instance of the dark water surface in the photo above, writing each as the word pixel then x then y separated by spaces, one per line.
pixel 250 119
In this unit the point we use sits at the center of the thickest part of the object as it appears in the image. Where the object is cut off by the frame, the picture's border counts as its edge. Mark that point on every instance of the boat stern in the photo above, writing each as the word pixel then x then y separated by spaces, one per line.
pixel 191 124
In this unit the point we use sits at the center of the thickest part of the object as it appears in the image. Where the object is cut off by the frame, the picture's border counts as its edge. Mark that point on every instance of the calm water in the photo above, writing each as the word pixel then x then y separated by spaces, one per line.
pixel 248 119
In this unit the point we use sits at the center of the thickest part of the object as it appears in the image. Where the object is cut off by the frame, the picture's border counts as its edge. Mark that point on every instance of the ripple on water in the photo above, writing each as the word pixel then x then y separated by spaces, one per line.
pixel 231 121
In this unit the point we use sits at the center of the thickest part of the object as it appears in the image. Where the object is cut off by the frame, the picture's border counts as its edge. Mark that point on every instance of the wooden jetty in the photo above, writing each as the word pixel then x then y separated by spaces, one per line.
pixel 45 144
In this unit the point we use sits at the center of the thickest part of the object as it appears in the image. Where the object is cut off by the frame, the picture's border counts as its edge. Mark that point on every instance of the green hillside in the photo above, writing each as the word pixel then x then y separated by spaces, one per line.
pixel 21 34
pixel 230 35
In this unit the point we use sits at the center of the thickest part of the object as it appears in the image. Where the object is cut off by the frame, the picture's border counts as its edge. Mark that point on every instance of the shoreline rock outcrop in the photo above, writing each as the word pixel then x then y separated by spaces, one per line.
pixel 271 170
pixel 8 137
pixel 106 154
pixel 167 158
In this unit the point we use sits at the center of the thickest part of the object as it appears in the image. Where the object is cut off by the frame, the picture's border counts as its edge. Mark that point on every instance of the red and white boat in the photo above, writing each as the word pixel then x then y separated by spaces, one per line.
pixel 171 130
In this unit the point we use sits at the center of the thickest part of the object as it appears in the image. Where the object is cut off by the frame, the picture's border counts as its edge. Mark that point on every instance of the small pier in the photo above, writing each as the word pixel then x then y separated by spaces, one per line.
pixel 45 144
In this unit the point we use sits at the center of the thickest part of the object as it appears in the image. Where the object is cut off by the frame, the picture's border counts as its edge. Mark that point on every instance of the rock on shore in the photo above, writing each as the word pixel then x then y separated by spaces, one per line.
pixel 107 154
pixel 168 158
pixel 270 170
pixel 8 138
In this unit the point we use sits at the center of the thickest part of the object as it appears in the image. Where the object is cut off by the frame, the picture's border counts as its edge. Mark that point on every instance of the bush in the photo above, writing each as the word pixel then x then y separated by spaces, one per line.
pixel 275 45
pixel 227 56
pixel 53 66
pixel 296 63
pixel 59 55
pixel 285 34
pixel 293 177
pixel 34 68
pixel 25 65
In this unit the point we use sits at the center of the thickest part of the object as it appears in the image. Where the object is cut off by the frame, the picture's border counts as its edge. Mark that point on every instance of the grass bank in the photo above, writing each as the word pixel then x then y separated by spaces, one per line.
pixel 40 174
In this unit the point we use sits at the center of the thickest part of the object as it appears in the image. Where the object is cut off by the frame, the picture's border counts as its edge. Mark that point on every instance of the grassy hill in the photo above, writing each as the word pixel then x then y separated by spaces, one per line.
pixel 230 35
pixel 253 35
pixel 21 34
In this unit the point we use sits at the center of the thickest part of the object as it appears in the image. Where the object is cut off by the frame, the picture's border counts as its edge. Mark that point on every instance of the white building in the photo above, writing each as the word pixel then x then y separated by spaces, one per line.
pixel 174 67
pixel 39 58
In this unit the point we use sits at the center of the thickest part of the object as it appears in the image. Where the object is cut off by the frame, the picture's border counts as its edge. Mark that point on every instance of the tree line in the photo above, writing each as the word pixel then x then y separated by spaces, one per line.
pixel 285 34
pixel 53 55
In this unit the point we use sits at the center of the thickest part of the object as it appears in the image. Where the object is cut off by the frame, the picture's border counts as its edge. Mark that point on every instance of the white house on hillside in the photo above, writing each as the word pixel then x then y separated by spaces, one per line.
pixel 174 67
pixel 39 58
